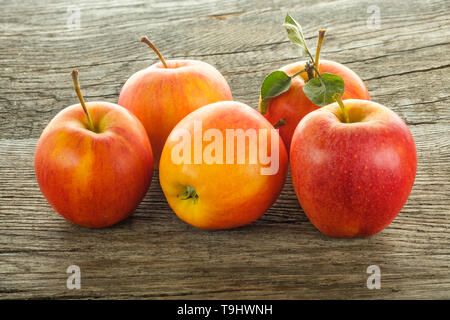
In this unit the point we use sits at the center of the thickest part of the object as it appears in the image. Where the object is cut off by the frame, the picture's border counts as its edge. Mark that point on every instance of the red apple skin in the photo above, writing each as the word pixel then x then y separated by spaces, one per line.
pixel 94 179
pixel 293 104
pixel 352 179
pixel 230 195
pixel 160 97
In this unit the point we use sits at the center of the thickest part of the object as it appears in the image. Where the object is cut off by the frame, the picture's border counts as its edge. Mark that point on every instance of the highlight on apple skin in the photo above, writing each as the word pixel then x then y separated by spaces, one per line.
pixel 352 179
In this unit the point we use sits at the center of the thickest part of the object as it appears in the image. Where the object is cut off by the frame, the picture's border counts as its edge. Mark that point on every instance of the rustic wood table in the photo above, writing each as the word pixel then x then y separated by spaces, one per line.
pixel 399 48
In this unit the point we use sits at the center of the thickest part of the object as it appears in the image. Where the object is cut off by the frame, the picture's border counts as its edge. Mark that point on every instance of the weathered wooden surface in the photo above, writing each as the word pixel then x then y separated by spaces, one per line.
pixel 405 64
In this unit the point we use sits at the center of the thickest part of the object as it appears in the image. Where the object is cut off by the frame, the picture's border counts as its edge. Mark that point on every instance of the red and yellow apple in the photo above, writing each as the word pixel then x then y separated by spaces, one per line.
pixel 293 104
pixel 223 179
pixel 164 93
pixel 94 167
pixel 352 179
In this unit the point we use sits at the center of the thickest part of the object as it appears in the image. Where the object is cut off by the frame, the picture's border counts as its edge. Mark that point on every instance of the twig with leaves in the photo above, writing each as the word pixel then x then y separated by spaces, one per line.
pixel 321 89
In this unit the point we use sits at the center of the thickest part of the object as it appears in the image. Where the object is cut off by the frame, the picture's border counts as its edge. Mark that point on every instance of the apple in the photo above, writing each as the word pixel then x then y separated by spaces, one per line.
pixel 93 162
pixel 164 93
pixel 233 178
pixel 353 165
pixel 293 104
pixel 295 90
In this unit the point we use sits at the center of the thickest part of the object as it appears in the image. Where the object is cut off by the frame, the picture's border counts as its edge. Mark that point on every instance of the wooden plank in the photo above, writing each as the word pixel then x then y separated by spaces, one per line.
pixel 153 254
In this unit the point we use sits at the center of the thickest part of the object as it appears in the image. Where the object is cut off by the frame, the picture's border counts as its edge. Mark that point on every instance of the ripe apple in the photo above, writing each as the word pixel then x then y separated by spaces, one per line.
pixel 352 177
pixel 164 93
pixel 222 184
pixel 94 162
pixel 293 104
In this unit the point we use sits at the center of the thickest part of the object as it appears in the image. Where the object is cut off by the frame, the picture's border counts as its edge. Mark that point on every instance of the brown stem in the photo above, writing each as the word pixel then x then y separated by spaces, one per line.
pixel 309 66
pixel 319 46
pixel 145 40
pixel 76 85
pixel 280 123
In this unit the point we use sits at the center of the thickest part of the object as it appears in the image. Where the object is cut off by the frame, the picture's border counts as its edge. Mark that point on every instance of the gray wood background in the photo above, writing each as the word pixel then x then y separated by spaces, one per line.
pixel 405 64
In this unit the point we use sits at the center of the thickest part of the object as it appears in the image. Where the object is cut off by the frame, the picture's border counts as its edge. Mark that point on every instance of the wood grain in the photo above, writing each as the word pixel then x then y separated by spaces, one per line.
pixel 405 64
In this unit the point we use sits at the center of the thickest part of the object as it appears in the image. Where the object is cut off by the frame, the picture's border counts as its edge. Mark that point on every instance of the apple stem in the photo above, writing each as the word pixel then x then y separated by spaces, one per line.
pixel 310 69
pixel 145 40
pixel 76 85
pixel 319 46
pixel 280 123
pixel 338 99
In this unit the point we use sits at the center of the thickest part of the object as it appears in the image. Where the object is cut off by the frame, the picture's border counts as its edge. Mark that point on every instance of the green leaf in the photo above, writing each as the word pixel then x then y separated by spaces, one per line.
pixel 273 85
pixel 295 33
pixel 321 90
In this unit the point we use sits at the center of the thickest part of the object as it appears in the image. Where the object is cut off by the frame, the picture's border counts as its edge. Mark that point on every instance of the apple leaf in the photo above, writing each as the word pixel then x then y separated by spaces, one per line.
pixel 321 90
pixel 273 85
pixel 295 33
